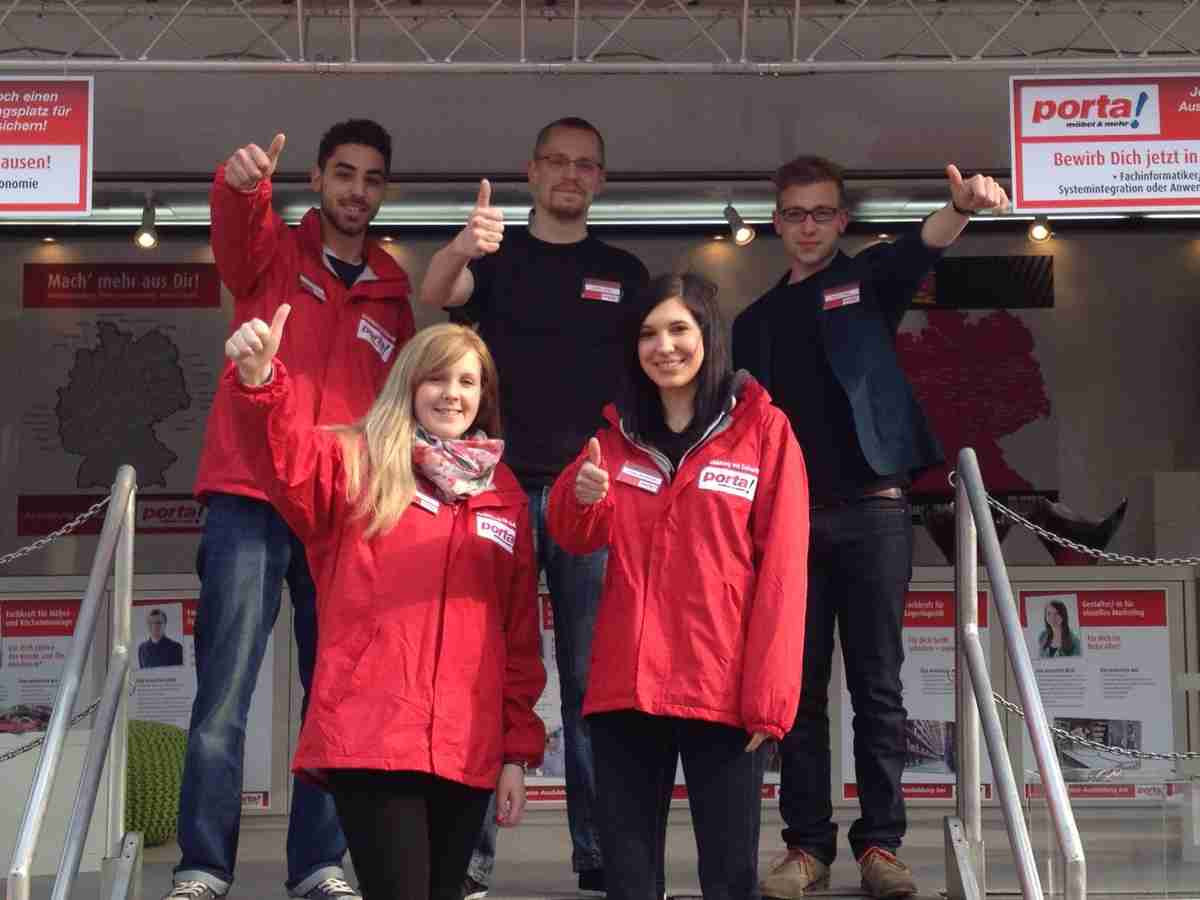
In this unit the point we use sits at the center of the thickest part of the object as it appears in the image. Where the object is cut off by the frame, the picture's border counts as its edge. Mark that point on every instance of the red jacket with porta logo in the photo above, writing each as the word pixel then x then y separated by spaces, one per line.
pixel 339 343
pixel 702 615
pixel 430 657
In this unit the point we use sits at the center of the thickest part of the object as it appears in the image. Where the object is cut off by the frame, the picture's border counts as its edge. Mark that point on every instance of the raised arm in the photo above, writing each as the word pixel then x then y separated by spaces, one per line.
pixel 581 506
pixel 246 230
pixel 448 281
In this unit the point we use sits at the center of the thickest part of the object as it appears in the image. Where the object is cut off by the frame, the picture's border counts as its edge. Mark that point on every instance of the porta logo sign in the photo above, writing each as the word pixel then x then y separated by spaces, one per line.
pixel 728 481
pixel 497 530
pixel 1085 110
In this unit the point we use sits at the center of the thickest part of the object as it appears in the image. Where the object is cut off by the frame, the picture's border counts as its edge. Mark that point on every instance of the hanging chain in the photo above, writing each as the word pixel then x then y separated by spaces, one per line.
pixel 55 535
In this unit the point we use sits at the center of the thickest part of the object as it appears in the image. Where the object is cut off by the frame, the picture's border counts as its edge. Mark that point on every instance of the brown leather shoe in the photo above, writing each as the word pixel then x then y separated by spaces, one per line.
pixel 794 876
pixel 884 876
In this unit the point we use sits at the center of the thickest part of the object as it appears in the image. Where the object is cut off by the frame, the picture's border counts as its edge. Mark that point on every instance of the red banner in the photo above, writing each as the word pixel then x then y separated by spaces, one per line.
pixel 1109 609
pixel 936 609
pixel 121 286
pixel 39 618
pixel 40 514
pixel 46 146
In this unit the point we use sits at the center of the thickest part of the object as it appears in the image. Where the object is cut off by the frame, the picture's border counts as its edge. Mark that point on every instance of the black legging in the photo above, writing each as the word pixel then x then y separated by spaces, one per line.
pixel 410 834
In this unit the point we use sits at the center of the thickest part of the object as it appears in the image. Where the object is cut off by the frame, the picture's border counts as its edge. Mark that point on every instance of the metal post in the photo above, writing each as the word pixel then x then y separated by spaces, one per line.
pixel 122 642
pixel 966 736
pixel 89 781
pixel 68 690
pixel 1059 803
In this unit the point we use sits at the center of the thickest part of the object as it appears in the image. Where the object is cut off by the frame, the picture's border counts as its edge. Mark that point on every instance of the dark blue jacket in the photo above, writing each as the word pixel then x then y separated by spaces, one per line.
pixel 165 653
pixel 860 344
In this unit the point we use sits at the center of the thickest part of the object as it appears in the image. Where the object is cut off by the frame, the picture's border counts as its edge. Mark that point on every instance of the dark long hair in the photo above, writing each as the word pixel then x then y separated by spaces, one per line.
pixel 1070 646
pixel 641 404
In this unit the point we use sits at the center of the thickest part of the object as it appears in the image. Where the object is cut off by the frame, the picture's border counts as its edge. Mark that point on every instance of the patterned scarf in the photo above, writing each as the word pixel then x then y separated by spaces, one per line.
pixel 457 468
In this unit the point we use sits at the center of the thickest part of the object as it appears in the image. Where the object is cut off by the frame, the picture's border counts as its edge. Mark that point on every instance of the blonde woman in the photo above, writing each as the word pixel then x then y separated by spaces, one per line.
pixel 419 541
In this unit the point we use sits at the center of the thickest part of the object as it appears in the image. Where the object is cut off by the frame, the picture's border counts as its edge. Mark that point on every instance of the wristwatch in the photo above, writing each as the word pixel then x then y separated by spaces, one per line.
pixel 523 763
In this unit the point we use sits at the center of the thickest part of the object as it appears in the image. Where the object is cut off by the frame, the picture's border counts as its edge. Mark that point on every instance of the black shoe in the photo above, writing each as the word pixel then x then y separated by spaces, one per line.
pixel 473 890
pixel 592 881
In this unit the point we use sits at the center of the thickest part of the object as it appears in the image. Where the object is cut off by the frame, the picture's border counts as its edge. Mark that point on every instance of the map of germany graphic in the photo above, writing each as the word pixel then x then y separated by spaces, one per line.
pixel 118 391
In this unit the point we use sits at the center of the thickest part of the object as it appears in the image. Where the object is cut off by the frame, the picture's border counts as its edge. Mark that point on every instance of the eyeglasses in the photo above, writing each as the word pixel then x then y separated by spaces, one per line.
pixel 558 163
pixel 795 215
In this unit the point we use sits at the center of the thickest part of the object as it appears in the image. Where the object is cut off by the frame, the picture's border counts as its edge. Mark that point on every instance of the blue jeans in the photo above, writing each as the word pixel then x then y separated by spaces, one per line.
pixel 859 566
pixel 575 584
pixel 246 553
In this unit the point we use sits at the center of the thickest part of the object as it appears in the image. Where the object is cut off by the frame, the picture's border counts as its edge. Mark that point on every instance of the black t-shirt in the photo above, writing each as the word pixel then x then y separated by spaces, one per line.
pixel 551 315
pixel 803 383
pixel 347 272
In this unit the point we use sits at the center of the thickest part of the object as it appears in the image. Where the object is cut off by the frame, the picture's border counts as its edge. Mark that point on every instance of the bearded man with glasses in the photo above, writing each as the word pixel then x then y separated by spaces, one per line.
pixel 549 300
pixel 822 342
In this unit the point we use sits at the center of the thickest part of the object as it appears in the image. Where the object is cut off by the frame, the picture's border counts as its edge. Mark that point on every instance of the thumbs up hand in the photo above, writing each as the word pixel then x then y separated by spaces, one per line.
pixel 976 193
pixel 251 164
pixel 485 226
pixel 254 345
pixel 591 484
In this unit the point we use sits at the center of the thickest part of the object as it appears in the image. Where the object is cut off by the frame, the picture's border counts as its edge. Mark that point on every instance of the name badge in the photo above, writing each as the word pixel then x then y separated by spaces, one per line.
pixel 844 295
pixel 645 479
pixel 312 287
pixel 427 503
pixel 497 530
pixel 607 291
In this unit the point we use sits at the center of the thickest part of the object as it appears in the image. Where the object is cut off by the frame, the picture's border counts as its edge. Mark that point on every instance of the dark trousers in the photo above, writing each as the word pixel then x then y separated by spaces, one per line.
pixel 410 834
pixel 859 566
pixel 635 756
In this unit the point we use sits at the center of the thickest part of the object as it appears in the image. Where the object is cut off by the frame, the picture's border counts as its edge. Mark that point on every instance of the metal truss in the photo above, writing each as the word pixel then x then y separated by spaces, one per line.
pixel 608 37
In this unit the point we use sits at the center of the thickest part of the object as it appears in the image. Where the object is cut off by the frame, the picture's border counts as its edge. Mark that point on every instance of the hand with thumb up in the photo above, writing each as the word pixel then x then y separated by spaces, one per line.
pixel 591 484
pixel 485 227
pixel 254 345
pixel 251 164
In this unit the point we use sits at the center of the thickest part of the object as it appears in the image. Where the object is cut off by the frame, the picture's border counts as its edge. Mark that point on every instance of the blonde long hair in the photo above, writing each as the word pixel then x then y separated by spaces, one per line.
pixel 378 448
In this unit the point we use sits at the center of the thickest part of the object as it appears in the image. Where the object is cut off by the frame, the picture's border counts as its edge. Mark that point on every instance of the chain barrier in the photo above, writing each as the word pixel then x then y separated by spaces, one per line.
pixel 55 535
pixel 7 558
pixel 1120 559
pixel 37 742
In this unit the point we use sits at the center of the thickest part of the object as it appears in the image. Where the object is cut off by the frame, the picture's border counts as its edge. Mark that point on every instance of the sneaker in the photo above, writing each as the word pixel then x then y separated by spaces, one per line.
pixel 191 890
pixel 885 876
pixel 333 889
pixel 591 881
pixel 795 875
pixel 473 890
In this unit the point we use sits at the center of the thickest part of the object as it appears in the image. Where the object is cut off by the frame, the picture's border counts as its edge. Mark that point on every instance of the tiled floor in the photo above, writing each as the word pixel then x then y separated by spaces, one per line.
pixel 1130 852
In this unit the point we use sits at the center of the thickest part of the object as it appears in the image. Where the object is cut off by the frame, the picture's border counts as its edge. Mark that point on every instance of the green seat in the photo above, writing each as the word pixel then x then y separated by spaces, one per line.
pixel 154 773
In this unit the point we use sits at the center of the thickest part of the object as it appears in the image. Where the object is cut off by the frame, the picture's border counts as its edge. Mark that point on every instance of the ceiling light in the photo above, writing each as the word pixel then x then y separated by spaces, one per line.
pixel 742 233
pixel 49 240
pixel 146 237
pixel 1040 231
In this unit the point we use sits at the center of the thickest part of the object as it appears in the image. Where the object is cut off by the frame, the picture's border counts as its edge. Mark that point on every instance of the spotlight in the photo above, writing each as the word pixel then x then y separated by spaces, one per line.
pixel 146 237
pixel 742 233
pixel 1039 230
pixel 49 240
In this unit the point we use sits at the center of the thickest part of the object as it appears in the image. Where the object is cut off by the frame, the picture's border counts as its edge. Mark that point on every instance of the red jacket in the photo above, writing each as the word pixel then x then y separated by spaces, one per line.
pixel 339 343
pixel 702 615
pixel 429 657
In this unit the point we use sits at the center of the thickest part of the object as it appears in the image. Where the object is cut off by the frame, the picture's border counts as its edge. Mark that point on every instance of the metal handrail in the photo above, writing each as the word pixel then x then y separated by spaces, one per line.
pixel 118 524
pixel 973 516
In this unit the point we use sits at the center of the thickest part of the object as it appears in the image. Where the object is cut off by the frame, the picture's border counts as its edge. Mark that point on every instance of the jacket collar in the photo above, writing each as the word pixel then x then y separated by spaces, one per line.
pixel 380 265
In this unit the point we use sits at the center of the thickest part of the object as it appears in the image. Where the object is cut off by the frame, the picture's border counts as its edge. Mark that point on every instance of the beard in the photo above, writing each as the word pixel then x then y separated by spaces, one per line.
pixel 334 216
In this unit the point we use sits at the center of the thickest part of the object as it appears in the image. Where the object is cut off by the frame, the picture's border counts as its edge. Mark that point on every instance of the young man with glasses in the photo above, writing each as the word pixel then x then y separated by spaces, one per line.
pixel 549 302
pixel 822 341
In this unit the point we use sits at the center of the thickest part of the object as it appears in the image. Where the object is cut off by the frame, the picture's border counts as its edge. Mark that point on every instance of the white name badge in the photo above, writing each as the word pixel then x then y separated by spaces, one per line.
pixel 645 479
pixel 427 503
pixel 728 481
pixel 497 530
pixel 312 287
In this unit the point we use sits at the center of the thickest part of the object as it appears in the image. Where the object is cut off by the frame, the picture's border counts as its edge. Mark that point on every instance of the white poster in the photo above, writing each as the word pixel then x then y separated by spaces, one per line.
pixel 35 638
pixel 164 661
pixel 1102 659
pixel 927 676
pixel 548 782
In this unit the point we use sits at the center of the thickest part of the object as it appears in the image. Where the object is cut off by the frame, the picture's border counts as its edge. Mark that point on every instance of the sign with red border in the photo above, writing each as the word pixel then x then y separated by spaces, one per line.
pixel 46 146
pixel 1105 144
